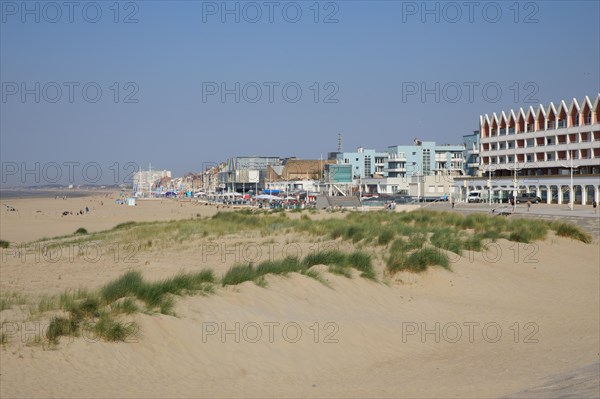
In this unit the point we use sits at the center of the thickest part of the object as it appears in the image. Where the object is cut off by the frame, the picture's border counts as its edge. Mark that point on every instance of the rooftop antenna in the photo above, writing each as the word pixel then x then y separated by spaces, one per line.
pixel 339 142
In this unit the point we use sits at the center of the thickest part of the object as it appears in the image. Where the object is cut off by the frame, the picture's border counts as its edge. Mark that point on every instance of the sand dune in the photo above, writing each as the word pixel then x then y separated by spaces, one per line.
pixel 518 323
pixel 180 356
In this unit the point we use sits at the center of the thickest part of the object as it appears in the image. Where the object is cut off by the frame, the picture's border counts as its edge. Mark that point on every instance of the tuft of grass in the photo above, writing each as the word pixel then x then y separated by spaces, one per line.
pixel 447 239
pixel 341 270
pixel 167 305
pixel 571 231
pixel 128 284
pixel 284 266
pixel 88 308
pixel 4 244
pixel 314 274
pixel 385 236
pixel 10 299
pixel 127 306
pixel 114 330
pixel 418 261
pixel 472 243
pixel 58 327
pixel 421 259
pixel 361 261
pixel 238 274
pixel 325 258
pixel 81 230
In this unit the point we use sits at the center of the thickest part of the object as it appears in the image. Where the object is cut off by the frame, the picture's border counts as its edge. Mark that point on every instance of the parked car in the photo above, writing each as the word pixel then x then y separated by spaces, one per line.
pixel 524 197
pixel 476 196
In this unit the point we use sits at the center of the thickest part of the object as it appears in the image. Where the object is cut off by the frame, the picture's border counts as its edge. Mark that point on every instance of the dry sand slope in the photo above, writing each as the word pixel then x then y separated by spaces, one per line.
pixel 518 323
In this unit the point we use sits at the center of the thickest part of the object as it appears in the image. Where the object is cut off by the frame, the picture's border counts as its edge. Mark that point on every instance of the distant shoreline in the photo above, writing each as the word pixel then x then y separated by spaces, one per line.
pixel 51 193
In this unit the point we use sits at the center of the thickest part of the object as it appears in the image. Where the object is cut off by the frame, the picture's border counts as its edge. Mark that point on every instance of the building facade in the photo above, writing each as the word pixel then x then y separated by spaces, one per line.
pixel 551 150
pixel 241 174
pixel 145 181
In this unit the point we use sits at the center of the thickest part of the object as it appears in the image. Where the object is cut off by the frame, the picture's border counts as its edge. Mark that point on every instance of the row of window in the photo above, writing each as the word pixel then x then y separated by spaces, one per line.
pixel 541 123
pixel 539 157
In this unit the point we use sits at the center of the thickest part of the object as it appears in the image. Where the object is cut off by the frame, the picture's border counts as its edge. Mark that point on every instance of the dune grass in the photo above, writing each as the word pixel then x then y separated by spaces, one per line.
pixel 411 241
pixel 10 299
pixel 417 261
pixel 571 231
pixel 338 263
pixel 154 294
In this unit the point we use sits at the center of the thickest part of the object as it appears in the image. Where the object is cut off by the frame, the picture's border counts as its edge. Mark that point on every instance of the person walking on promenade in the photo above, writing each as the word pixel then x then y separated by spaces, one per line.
pixel 528 205
pixel 595 206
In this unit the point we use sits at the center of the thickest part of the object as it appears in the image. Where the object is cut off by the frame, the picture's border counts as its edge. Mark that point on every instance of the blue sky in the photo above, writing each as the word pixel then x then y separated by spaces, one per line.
pixel 362 62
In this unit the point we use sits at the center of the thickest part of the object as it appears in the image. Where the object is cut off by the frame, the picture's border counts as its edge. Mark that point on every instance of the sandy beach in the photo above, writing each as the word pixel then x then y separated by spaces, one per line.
pixel 492 327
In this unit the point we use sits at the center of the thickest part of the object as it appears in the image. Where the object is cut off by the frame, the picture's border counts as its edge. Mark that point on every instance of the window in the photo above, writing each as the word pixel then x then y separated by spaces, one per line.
pixel 426 162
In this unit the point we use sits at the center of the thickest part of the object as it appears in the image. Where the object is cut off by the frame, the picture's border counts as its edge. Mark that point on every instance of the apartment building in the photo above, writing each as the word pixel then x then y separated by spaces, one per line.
pixel 538 149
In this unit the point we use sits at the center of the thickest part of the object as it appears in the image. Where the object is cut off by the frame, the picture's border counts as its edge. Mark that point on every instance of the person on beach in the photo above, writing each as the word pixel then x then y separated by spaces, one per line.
pixel 595 206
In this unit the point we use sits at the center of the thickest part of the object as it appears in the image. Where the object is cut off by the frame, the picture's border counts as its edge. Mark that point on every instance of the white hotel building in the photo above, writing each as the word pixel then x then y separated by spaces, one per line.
pixel 543 150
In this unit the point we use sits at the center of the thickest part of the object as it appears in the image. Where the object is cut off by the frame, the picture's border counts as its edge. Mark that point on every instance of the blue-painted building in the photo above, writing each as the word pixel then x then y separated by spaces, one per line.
pixel 471 143
pixel 424 158
pixel 366 163
pixel 403 161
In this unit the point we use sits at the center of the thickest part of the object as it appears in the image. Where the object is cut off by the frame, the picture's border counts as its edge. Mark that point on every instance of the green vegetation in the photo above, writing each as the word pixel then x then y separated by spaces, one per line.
pixel 81 230
pixel 336 261
pixel 401 234
pixel 410 241
pixel 4 244
pixel 156 294
pixel 10 299
pixel 570 230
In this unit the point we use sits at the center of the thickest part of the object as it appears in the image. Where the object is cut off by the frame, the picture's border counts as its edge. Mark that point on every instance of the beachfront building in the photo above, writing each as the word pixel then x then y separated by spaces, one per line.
pixel 296 175
pixel 242 174
pixel 471 154
pixel 144 181
pixel 393 171
pixel 551 150
pixel 366 163
pixel 424 158
pixel 210 178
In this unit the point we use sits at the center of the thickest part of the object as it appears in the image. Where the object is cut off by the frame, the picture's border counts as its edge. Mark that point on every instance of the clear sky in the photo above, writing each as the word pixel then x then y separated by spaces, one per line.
pixel 361 67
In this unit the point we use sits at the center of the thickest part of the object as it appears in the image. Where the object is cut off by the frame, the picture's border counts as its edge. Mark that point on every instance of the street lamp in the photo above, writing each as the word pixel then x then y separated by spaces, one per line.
pixel 571 167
